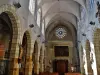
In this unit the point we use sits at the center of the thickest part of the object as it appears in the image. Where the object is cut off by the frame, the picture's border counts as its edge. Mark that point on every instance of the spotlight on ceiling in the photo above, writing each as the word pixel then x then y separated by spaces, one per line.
pixel 31 25
pixel 44 41
pixel 79 41
pixel 17 4
pixel 38 35
pixel 92 23
pixel 84 34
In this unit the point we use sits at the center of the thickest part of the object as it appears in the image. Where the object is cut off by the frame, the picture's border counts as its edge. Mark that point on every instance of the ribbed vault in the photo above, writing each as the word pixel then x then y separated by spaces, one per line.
pixel 55 10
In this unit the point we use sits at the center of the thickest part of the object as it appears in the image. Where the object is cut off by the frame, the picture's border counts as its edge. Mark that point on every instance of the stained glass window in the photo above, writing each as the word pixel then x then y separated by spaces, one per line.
pixel 60 32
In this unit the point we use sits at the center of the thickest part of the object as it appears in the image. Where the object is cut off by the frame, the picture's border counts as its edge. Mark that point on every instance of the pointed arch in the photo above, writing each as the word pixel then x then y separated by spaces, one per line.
pixel 25 53
pixel 11 12
pixel 34 58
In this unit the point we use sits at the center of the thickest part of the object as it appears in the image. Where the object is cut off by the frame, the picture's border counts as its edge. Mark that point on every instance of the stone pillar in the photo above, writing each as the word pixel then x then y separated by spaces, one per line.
pixel 98 69
pixel 83 70
pixel 13 59
pixel 89 68
pixel 97 54
pixel 97 49
pixel 13 66
pixel 70 60
pixel 70 54
pixel 28 65
pixel 82 63
pixel 41 61
pixel 36 64
pixel 82 67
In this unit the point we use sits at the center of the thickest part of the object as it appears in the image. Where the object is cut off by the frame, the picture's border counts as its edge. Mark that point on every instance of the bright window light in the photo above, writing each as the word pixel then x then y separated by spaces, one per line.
pixel 38 17
pixel 32 6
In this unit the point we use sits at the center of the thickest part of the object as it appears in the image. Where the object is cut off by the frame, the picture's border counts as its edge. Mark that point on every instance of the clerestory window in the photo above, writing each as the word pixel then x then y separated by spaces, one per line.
pixel 38 17
pixel 32 6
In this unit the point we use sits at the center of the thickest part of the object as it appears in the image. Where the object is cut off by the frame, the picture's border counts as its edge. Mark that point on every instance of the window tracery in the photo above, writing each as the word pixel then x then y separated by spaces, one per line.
pixel 60 32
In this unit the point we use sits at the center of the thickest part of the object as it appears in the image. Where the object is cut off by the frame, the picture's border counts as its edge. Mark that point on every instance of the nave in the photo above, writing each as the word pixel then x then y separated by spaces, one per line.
pixel 49 37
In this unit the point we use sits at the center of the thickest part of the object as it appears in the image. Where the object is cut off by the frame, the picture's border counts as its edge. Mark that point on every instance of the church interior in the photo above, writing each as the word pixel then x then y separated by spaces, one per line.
pixel 49 37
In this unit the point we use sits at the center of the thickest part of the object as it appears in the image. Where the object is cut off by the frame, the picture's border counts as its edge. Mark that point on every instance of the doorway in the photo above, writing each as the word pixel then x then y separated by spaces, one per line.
pixel 60 66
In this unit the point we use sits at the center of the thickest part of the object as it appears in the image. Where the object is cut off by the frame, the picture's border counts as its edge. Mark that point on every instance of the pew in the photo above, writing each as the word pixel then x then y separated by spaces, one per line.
pixel 48 73
pixel 72 74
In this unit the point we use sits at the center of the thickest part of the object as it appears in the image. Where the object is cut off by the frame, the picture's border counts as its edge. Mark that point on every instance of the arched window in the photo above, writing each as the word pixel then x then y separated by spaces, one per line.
pixel 38 17
pixel 43 27
pixel 32 6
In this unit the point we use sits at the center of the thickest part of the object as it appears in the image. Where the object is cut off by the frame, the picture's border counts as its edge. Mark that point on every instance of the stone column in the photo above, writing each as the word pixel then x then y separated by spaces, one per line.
pixel 89 68
pixel 97 49
pixel 98 69
pixel 13 66
pixel 97 54
pixel 70 54
pixel 36 64
pixel 13 60
pixel 82 62
pixel 70 61
pixel 41 61
pixel 29 65
pixel 82 67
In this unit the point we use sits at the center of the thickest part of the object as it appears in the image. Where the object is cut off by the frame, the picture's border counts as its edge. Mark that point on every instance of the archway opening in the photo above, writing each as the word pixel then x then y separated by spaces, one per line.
pixel 22 55
pixel 62 45
pixel 6 33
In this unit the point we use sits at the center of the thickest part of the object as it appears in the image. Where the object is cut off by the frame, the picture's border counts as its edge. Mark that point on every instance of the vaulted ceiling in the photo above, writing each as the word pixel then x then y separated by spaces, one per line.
pixel 58 10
